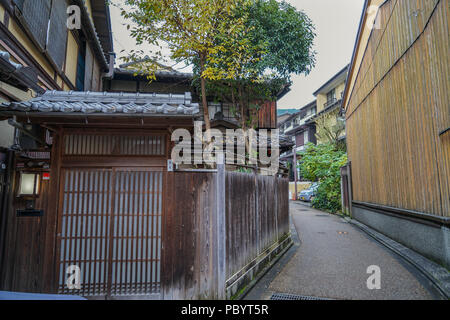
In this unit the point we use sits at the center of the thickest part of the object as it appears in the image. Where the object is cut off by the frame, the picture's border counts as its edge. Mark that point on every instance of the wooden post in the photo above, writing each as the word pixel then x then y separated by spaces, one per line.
pixel 294 168
pixel 221 228
pixel 258 225
pixel 350 188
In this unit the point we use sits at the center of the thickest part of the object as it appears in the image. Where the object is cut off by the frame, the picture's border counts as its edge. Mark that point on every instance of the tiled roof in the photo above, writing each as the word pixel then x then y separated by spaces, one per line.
pixel 158 74
pixel 106 102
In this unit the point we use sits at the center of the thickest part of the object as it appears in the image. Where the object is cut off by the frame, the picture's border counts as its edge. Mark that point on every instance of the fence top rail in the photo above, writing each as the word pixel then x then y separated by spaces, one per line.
pixel 197 170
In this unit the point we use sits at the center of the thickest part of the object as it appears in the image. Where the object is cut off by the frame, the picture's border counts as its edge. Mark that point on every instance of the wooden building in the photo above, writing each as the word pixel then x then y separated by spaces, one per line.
pixel 38 52
pixel 128 78
pixel 88 184
pixel 98 195
pixel 398 123
pixel 34 34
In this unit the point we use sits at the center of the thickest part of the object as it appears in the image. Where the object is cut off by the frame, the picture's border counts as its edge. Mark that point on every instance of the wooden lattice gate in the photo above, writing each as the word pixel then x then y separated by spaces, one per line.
pixel 110 229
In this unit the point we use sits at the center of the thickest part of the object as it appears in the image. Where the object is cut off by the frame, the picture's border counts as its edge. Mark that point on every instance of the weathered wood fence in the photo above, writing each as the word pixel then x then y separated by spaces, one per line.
pixel 222 228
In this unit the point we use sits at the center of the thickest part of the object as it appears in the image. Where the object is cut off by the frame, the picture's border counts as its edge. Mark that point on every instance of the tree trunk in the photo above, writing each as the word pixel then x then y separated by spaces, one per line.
pixel 205 99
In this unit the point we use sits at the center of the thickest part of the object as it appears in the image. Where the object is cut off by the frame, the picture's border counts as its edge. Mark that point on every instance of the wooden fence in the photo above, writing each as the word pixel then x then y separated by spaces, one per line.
pixel 257 217
pixel 213 245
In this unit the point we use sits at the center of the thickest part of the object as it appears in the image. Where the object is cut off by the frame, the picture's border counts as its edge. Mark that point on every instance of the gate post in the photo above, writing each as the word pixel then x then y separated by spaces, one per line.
pixel 221 228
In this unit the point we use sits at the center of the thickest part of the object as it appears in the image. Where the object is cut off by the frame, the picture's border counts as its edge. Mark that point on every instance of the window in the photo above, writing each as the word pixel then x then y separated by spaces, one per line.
pixel 81 66
pixel 331 95
pixel 36 15
pixel 300 140
pixel 57 32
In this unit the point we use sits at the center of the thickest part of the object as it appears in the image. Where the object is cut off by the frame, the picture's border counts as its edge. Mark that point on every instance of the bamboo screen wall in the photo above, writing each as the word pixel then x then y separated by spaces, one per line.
pixel 399 114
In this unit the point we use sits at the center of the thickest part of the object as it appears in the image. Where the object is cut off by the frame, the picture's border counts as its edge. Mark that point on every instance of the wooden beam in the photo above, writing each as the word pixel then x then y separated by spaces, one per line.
pixel 221 228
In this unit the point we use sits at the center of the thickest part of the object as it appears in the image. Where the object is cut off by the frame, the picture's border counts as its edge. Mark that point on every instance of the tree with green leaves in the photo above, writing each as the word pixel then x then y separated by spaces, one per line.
pixel 214 33
pixel 330 127
pixel 322 163
pixel 243 51
pixel 286 37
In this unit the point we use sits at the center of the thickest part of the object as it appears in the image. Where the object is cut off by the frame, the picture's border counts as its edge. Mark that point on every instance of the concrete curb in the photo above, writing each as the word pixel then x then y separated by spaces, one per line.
pixel 438 275
pixel 268 274
pixel 264 271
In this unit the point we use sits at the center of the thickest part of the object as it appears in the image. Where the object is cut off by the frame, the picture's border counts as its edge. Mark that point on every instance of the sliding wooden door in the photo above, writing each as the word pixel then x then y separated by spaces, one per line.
pixel 110 231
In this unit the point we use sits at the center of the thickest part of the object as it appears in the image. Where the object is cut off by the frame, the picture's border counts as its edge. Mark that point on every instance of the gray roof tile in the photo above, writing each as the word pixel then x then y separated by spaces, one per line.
pixel 107 103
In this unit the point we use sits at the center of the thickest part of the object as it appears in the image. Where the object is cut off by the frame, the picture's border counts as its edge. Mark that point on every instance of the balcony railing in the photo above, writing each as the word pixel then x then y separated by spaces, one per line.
pixel 331 102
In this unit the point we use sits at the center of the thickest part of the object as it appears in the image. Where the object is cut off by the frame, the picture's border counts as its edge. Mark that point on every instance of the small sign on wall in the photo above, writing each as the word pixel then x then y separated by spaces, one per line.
pixel 46 176
pixel 169 165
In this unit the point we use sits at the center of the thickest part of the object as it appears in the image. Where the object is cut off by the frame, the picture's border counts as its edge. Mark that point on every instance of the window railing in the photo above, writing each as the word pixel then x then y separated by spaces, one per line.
pixel 330 102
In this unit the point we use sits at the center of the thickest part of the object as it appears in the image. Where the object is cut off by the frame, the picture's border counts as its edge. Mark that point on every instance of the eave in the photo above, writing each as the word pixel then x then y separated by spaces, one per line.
pixel 92 35
pixel 329 82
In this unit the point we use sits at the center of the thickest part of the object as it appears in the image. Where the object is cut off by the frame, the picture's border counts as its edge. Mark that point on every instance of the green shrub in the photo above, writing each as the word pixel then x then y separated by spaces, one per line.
pixel 322 163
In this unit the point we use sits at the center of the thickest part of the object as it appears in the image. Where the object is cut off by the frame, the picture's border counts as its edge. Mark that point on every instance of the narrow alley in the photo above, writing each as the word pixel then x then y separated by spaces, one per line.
pixel 330 259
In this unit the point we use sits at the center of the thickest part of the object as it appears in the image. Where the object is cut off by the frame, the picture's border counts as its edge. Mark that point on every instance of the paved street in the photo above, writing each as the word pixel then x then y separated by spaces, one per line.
pixel 332 260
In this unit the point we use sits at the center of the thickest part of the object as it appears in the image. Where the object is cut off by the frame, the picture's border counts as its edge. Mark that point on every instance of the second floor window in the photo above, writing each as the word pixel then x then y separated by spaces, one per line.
pixel 331 96
pixel 81 67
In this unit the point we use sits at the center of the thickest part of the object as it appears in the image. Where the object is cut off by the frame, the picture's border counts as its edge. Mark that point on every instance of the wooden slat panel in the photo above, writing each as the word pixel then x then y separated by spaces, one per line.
pixel 400 108
pixel 57 34
pixel 114 145
pixel 257 209
pixel 137 233
pixel 36 15
pixel 85 227
pixel 189 265
pixel 103 219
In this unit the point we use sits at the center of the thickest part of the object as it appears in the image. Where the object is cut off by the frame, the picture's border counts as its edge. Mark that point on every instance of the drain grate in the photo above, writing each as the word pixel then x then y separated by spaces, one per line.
pixel 287 296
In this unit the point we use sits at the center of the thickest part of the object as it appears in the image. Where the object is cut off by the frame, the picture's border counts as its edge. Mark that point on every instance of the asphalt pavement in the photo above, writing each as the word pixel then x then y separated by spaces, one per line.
pixel 331 260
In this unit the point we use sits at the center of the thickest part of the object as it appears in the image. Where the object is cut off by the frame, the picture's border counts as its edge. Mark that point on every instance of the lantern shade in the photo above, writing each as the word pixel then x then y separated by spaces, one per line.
pixel 29 184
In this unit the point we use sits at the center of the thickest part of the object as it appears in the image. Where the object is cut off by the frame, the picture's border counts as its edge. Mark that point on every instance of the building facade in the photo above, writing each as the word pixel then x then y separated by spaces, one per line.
pixel 39 52
pixel 89 184
pixel 329 127
pixel 299 129
pixel 398 124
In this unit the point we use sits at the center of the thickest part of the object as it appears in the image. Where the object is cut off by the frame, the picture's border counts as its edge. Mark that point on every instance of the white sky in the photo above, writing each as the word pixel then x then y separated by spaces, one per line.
pixel 336 24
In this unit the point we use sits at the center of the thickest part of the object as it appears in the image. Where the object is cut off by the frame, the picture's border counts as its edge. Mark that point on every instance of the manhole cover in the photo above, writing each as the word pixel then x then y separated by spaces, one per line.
pixel 303 210
pixel 287 296
pixel 321 215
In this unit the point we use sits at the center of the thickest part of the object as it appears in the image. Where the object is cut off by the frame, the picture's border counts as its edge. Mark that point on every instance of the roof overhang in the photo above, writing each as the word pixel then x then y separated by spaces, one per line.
pixel 333 82
pixel 284 91
pixel 362 38
pixel 84 105
pixel 102 21
pixel 169 76
pixel 100 52
pixel 302 109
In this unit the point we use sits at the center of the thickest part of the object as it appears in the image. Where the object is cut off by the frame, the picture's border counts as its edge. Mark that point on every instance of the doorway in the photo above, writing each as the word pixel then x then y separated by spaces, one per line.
pixel 110 217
